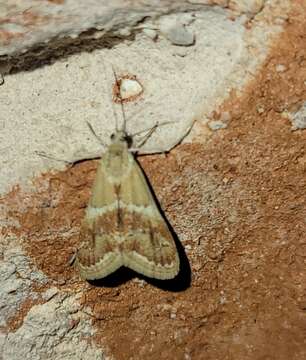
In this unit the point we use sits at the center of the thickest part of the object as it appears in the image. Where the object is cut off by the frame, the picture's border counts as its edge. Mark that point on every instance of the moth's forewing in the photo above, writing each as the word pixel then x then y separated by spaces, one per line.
pixel 149 247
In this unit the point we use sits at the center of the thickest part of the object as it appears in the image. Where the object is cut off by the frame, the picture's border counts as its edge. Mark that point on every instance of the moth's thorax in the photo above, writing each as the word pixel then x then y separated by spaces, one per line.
pixel 116 148
pixel 117 159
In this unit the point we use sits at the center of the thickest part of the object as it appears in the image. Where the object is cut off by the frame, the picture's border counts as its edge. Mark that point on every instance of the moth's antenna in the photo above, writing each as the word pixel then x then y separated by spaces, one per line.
pixel 95 134
pixel 111 98
pixel 121 100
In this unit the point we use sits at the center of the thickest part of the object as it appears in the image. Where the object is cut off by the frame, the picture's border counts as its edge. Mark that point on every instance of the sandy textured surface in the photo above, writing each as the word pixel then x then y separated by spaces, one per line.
pixel 236 202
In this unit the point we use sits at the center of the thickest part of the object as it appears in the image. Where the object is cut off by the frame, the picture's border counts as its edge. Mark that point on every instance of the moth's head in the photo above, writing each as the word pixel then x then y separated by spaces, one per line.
pixel 121 137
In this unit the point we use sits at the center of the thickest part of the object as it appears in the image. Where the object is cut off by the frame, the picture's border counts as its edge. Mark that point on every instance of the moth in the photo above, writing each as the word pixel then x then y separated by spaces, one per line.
pixel 123 225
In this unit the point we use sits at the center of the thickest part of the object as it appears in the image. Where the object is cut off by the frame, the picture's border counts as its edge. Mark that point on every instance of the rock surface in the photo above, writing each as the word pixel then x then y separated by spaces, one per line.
pixel 233 192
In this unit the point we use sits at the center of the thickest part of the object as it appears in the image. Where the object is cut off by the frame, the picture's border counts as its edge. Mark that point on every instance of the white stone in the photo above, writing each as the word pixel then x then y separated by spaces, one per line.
pixel 298 119
pixel 129 88
pixel 280 68
pixel 216 125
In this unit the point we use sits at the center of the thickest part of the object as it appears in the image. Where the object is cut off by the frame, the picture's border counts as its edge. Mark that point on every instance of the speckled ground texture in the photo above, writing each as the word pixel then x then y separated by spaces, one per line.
pixel 237 203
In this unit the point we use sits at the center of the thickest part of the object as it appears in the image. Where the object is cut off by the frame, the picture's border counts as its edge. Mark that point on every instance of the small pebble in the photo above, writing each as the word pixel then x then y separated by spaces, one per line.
pixel 260 109
pixel 216 125
pixel 298 119
pixel 280 68
pixel 179 35
pixel 150 33
pixel 129 88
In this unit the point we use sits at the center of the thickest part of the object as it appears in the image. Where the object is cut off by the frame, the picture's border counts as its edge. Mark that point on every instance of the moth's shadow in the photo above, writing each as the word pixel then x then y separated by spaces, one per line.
pixel 181 282
pixel 115 279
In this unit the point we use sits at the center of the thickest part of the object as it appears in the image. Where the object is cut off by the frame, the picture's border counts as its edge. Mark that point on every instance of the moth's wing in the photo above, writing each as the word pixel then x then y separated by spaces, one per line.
pixel 148 246
pixel 151 250
pixel 97 256
pixel 123 226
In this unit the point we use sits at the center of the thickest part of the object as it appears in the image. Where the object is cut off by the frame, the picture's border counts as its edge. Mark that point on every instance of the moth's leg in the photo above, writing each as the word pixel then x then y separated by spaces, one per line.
pixel 150 132
pixel 151 127
pixel 51 157
pixel 149 151
pixel 147 136
pixel 158 150
pixel 87 156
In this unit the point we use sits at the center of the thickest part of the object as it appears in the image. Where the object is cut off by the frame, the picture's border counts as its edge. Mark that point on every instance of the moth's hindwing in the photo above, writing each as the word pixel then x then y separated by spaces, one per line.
pixel 123 226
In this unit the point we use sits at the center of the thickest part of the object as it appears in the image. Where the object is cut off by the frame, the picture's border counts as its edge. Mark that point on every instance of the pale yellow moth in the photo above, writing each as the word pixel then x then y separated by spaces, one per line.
pixel 123 225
